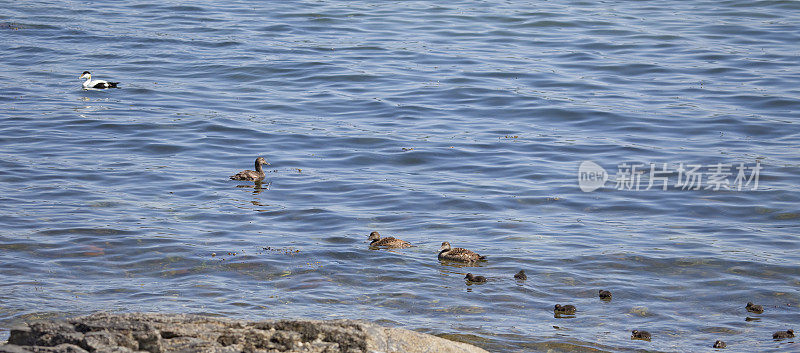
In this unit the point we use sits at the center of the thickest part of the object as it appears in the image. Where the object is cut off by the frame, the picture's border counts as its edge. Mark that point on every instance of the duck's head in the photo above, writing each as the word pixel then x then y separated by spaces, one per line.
pixel 469 276
pixel 87 75
pixel 374 236
pixel 558 306
pixel 445 246
pixel 748 304
pixel 259 160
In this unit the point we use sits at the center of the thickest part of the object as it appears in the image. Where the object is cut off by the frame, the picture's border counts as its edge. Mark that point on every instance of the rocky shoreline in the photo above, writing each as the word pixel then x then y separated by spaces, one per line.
pixel 162 333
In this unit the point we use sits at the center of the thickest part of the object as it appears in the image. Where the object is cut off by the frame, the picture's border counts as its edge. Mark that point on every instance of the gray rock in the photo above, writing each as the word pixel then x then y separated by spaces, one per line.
pixel 167 333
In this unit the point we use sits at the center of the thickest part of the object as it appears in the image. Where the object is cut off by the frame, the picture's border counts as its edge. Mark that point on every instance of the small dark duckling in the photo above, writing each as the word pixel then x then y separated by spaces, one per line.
pixel 753 308
pixel 604 294
pixel 476 279
pixel 640 335
pixel 376 241
pixel 521 275
pixel 252 175
pixel 719 344
pixel 458 254
pixel 783 334
pixel 564 309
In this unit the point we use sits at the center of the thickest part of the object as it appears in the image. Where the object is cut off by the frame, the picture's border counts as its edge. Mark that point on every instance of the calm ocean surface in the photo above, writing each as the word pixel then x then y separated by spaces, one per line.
pixel 430 121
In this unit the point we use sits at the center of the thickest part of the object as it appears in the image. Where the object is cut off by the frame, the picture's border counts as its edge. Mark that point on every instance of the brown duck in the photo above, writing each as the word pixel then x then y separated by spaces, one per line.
pixel 564 309
pixel 783 334
pixel 458 254
pixel 252 175
pixel 476 279
pixel 604 294
pixel 640 335
pixel 376 241
pixel 753 308
pixel 521 275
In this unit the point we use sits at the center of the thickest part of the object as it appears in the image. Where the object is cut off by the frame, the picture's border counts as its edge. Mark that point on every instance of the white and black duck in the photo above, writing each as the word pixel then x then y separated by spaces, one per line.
pixel 96 84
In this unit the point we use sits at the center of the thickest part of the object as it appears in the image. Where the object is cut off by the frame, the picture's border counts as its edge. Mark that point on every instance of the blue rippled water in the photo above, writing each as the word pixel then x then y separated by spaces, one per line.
pixel 431 121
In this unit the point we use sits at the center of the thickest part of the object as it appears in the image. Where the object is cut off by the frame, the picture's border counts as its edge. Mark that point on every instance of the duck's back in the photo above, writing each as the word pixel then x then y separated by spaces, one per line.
pixel 460 254
pixel 247 175
pixel 391 242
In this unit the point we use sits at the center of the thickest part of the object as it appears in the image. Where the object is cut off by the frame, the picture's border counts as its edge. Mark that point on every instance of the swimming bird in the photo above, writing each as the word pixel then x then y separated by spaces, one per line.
pixel 753 308
pixel 719 344
pixel 458 254
pixel 477 279
pixel 389 242
pixel 564 309
pixel 521 275
pixel 640 335
pixel 783 334
pixel 251 175
pixel 99 84
pixel 604 294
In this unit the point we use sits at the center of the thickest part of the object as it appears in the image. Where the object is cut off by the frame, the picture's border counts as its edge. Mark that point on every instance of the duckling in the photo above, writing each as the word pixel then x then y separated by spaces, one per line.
pixel 521 275
pixel 476 279
pixel 719 344
pixel 376 241
pixel 640 335
pixel 604 294
pixel 758 309
pixel 783 334
pixel 458 254
pixel 564 309
pixel 251 175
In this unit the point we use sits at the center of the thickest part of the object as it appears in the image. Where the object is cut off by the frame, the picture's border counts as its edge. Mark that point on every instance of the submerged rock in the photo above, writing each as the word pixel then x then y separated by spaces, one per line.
pixel 163 333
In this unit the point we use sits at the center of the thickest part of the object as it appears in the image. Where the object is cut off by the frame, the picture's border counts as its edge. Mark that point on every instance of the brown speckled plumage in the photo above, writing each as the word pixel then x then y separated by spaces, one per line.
pixel 783 334
pixel 521 275
pixel 376 241
pixel 252 175
pixel 458 254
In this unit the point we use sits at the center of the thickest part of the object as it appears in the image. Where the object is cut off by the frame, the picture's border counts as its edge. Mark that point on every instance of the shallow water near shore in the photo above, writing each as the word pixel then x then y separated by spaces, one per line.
pixel 462 121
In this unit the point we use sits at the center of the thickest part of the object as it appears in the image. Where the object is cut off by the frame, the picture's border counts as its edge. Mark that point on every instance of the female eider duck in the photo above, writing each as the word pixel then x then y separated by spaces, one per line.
pixel 458 254
pixel 98 84
pixel 521 275
pixel 251 175
pixel 376 241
